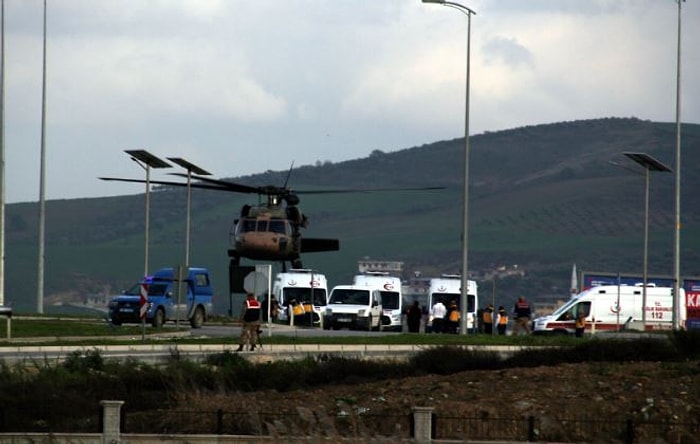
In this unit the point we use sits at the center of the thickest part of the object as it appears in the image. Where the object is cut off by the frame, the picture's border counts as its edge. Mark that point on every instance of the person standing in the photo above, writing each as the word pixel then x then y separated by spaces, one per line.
pixel 251 323
pixel 580 325
pixel 522 316
pixel 502 321
pixel 413 317
pixel 452 318
pixel 438 313
pixel 487 320
pixel 272 306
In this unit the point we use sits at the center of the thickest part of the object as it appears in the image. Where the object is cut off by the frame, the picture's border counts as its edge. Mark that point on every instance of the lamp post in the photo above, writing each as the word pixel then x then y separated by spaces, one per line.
pixel 649 164
pixel 465 219
pixel 677 226
pixel 191 168
pixel 147 161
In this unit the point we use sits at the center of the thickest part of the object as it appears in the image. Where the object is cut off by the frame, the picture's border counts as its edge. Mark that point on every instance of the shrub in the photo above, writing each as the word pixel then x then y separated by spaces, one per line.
pixel 687 343
pixel 446 360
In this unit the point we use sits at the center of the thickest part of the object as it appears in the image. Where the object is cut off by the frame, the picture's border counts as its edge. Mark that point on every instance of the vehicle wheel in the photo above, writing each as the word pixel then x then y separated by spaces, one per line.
pixel 198 319
pixel 159 318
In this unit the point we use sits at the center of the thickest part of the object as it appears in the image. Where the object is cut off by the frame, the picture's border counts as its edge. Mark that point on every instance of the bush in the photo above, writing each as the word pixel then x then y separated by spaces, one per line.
pixel 446 360
pixel 687 343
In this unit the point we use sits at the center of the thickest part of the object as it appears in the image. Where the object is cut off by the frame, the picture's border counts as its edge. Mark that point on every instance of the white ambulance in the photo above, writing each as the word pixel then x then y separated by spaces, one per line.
pixel 613 308
pixel 392 298
pixel 448 288
pixel 307 289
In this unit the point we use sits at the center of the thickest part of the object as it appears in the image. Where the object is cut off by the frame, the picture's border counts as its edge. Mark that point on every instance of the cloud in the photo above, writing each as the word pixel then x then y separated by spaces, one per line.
pixel 308 80
pixel 507 51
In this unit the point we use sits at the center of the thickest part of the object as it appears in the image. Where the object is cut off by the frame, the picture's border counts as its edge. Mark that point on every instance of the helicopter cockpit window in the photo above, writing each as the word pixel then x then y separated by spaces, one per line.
pixel 277 226
pixel 247 225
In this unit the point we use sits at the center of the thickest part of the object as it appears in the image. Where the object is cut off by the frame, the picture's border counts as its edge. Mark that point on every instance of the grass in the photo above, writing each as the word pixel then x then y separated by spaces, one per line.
pixel 88 331
pixel 68 327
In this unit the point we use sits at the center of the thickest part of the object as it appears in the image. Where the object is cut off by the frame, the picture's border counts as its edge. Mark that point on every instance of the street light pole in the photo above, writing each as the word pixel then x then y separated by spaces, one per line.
pixel 677 227
pixel 650 164
pixel 147 161
pixel 465 218
pixel 191 168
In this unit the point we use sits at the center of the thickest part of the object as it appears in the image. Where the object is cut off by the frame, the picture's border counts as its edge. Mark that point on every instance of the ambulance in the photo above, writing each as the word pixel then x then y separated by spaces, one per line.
pixel 304 288
pixel 614 308
pixel 447 288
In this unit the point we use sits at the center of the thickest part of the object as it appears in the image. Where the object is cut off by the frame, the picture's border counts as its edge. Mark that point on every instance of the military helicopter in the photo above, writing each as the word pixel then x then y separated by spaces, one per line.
pixel 271 230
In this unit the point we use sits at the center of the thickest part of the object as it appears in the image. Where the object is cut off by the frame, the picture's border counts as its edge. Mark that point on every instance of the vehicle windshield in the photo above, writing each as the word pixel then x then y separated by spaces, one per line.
pixel 574 311
pixel 153 289
pixel 564 308
pixel 305 295
pixel 349 296
pixel 390 300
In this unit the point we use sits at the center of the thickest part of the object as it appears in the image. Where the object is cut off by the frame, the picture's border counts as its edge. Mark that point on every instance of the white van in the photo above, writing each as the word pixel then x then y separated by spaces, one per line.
pixel 354 306
pixel 612 308
pixel 392 299
pixel 447 288
pixel 305 287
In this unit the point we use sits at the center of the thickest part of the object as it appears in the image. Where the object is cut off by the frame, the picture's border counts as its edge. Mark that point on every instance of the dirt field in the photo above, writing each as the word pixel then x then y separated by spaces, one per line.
pixel 645 391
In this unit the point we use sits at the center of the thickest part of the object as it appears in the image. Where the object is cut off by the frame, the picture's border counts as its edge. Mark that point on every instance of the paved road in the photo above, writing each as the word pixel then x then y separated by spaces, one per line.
pixel 153 352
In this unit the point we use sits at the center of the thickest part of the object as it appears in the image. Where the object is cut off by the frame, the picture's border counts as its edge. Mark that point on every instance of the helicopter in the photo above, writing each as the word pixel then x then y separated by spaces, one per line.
pixel 269 230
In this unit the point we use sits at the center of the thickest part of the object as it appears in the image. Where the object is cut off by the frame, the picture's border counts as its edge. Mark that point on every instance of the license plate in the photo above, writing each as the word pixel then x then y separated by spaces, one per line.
pixel 344 320
pixel 126 310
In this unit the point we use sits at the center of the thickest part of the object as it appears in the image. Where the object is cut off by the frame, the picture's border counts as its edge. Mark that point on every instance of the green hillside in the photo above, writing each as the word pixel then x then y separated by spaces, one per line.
pixel 543 197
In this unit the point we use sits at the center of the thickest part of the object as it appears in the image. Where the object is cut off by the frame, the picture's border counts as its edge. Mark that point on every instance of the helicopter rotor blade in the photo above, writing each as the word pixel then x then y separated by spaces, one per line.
pixel 224 185
pixel 367 190
pixel 164 182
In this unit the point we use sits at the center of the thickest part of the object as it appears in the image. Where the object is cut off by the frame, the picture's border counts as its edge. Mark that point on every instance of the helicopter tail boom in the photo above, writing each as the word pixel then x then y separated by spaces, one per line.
pixel 310 245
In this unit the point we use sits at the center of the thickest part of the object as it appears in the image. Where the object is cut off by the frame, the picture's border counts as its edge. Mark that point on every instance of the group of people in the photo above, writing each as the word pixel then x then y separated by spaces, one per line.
pixel 521 322
pixel 446 319
pixel 443 319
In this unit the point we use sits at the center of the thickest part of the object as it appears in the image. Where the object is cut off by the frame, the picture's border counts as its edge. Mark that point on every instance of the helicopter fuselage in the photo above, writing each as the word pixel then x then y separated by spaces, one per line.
pixel 265 237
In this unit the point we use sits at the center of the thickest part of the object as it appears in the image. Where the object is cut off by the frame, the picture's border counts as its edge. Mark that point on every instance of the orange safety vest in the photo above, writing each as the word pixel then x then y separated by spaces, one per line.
pixel 581 322
pixel 487 318
pixel 503 319
pixel 297 310
pixel 454 315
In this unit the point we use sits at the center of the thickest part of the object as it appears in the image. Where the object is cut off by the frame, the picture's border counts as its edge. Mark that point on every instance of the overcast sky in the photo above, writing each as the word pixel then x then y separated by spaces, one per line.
pixel 242 86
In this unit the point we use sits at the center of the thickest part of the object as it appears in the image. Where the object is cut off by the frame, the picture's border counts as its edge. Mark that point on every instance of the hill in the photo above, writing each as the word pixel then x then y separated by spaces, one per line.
pixel 543 197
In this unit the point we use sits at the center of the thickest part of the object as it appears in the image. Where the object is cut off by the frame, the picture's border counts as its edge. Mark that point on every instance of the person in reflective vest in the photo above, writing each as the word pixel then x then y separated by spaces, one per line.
pixel 487 320
pixel 502 321
pixel 297 312
pixel 453 316
pixel 580 325
pixel 251 323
